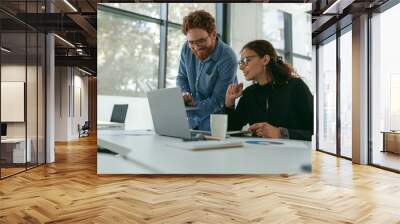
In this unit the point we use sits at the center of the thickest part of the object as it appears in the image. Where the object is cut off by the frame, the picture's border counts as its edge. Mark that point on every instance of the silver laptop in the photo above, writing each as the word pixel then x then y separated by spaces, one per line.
pixel 169 115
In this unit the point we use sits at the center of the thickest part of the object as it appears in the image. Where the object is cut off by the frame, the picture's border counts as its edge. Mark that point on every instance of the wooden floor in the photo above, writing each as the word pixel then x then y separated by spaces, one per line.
pixel 70 191
pixel 10 171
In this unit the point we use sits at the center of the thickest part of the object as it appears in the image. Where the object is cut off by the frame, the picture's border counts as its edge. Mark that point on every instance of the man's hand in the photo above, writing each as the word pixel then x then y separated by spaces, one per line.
pixel 232 93
pixel 266 130
pixel 188 99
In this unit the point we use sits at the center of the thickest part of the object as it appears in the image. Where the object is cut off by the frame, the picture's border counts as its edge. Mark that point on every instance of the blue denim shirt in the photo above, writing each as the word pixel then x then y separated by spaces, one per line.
pixel 207 81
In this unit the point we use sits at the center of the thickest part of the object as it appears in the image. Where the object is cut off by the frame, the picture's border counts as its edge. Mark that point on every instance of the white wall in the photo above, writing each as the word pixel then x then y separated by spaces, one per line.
pixel 69 82
pixel 61 103
pixel 80 84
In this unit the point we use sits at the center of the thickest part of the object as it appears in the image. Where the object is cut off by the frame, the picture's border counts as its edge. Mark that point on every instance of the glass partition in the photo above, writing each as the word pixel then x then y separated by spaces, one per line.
pixel 41 97
pixel 31 98
pixel 22 92
pixel 14 152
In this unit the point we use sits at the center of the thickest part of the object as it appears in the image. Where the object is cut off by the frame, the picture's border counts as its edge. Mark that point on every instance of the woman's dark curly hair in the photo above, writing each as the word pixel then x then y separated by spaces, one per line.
pixel 198 19
pixel 277 70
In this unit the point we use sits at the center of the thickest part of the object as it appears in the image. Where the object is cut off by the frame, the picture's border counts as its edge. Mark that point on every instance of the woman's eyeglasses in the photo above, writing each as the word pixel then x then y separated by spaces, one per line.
pixel 245 60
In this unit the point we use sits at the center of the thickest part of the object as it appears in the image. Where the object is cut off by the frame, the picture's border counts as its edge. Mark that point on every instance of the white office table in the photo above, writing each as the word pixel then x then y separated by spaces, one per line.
pixel 151 154
pixel 18 149
pixel 107 125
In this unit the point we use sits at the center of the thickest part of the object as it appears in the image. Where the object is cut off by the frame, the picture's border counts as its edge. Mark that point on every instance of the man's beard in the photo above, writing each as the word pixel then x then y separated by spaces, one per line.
pixel 202 55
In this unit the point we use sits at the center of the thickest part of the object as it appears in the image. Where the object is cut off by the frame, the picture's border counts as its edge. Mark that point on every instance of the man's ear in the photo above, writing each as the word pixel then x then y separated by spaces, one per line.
pixel 266 59
pixel 214 34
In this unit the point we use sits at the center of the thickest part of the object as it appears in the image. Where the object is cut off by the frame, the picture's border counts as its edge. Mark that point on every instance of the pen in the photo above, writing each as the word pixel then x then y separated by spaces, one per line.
pixel 208 137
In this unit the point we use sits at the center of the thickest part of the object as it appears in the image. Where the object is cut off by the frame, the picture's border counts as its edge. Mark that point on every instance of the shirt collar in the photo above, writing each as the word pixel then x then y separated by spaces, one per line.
pixel 215 55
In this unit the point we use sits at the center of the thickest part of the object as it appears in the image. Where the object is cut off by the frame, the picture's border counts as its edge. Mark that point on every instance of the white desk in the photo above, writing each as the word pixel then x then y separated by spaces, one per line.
pixel 107 125
pixel 151 154
pixel 18 150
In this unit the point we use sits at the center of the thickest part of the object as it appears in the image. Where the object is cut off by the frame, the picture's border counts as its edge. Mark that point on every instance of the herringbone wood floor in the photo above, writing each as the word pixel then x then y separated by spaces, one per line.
pixel 70 191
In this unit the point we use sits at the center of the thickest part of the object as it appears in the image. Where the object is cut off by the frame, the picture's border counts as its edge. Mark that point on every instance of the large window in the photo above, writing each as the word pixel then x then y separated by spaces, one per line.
pixel 385 87
pixel 176 11
pixel 301 23
pixel 175 37
pixel 346 94
pixel 303 69
pixel 286 26
pixel 128 62
pixel 130 52
pixel 327 96
pixel 148 9
pixel 273 26
pixel 175 43
pixel 301 29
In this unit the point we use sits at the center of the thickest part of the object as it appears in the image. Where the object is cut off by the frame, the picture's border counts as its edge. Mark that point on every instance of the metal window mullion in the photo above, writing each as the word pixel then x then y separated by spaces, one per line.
pixel 0 89
pixel 386 6
pixel 227 22
pixel 369 83
pixel 220 20
pixel 44 72
pixel 162 64
pixel 338 93
pixel 129 14
pixel 73 91
pixel 174 25
pixel 296 55
pixel 26 89
pixel 37 92
pixel 280 52
pixel 288 39
pixel 69 91
pixel 317 96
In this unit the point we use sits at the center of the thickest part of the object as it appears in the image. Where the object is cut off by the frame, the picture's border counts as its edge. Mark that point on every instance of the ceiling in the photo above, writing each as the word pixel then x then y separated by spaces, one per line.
pixel 76 22
pixel 329 16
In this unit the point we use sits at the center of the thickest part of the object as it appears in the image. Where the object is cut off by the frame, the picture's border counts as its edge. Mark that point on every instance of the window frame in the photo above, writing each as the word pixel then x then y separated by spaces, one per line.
pixel 164 23
pixel 379 10
pixel 334 37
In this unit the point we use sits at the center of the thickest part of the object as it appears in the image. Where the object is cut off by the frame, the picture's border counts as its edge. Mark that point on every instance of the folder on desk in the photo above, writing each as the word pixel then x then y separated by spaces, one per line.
pixel 209 144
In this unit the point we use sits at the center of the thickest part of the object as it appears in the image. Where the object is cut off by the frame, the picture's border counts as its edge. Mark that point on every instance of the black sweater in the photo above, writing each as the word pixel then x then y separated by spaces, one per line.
pixel 288 105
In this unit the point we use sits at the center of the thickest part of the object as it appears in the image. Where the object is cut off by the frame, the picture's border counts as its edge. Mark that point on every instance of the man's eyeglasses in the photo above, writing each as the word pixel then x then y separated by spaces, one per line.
pixel 245 60
pixel 198 42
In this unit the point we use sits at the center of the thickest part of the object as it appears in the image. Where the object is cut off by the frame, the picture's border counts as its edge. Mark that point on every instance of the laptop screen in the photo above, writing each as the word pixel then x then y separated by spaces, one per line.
pixel 119 113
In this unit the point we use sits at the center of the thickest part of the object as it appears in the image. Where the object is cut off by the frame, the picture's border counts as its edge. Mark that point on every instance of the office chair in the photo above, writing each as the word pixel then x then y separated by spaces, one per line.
pixel 84 130
pixel 119 113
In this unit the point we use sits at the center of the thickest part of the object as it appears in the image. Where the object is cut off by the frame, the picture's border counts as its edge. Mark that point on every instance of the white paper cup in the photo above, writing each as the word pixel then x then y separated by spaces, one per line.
pixel 219 125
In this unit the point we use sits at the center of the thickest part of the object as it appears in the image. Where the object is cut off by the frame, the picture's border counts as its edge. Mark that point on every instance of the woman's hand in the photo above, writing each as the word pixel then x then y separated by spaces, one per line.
pixel 232 93
pixel 266 130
